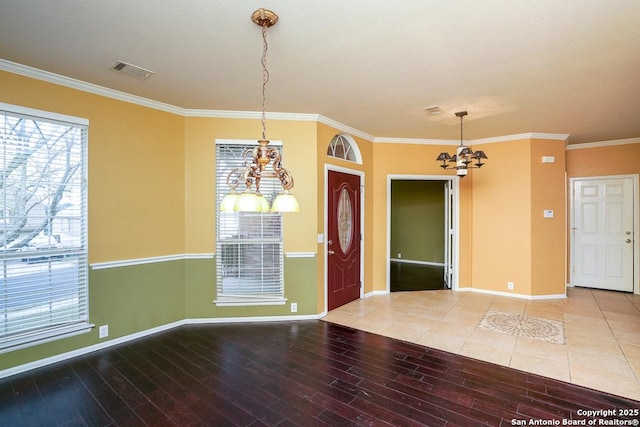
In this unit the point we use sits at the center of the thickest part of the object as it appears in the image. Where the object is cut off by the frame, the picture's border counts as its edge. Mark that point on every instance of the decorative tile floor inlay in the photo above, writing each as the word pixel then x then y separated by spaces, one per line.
pixel 524 326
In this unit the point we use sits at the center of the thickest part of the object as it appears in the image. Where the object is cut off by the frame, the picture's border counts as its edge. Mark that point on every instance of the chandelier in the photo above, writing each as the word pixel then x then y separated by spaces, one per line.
pixel 256 160
pixel 464 157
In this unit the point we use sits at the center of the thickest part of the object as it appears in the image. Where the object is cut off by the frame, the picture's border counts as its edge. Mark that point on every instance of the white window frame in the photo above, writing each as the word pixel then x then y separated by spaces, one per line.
pixel 253 280
pixel 51 278
pixel 343 146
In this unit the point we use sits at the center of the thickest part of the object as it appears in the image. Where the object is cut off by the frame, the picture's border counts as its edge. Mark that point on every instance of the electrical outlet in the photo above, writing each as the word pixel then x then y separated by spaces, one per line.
pixel 399 255
pixel 294 307
pixel 103 331
pixel 510 285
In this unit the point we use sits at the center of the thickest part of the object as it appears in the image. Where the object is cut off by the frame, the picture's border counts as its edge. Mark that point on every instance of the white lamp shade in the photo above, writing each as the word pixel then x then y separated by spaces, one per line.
pixel 285 202
pixel 228 202
pixel 247 202
pixel 264 204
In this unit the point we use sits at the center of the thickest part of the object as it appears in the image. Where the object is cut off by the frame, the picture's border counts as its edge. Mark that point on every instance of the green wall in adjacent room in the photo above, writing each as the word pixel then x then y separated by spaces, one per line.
pixel 417 220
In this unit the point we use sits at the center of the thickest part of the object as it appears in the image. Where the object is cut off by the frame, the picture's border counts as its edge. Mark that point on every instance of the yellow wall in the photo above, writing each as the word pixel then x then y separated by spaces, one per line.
pixel 502 218
pixel 367 151
pixel 136 168
pixel 152 193
pixel 152 188
pixel 299 140
pixel 152 173
pixel 411 159
pixel 548 250
pixel 600 161
pixel 512 241
pixel 324 136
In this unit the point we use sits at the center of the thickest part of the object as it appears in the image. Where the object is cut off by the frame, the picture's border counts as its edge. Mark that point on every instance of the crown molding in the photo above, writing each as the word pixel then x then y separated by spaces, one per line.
pixel 531 135
pixel 254 115
pixel 346 129
pixel 69 82
pixel 417 141
pixel 604 143
pixel 505 138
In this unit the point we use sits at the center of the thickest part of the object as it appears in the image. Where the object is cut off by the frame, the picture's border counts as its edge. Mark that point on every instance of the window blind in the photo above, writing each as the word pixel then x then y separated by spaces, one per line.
pixel 249 245
pixel 43 288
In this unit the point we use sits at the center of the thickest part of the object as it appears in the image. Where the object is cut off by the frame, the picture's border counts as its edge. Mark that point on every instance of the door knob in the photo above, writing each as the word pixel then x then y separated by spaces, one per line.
pixel 330 252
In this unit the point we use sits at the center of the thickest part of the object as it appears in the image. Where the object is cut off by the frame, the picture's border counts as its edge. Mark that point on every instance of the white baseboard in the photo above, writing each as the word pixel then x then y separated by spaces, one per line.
pixel 513 295
pixel 84 350
pixel 410 261
pixel 102 345
pixel 214 320
pixel 488 292
pixel 372 293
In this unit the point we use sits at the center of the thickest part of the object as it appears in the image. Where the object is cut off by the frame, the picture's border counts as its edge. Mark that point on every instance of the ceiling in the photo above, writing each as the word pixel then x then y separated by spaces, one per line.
pixel 567 67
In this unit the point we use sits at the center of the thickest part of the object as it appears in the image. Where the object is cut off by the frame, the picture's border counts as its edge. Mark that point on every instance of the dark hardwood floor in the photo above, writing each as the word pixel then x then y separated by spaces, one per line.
pixel 405 276
pixel 301 373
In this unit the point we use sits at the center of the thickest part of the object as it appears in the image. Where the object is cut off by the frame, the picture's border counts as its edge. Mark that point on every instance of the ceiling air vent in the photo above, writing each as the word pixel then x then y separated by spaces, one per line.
pixel 131 70
pixel 433 111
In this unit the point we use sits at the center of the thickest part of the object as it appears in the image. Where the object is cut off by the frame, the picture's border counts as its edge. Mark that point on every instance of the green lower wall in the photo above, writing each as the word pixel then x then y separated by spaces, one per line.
pixel 137 298
pixel 128 299
pixel 299 287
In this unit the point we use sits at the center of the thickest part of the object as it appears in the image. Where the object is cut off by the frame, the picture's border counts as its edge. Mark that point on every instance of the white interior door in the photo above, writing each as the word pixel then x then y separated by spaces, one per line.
pixel 448 235
pixel 603 233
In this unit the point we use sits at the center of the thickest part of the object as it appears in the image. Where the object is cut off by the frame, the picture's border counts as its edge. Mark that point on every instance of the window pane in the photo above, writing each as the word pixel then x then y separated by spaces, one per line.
pixel 43 287
pixel 249 245
pixel 340 147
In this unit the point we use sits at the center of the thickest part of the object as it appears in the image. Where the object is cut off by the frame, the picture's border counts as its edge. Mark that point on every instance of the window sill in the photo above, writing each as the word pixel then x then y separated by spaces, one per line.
pixel 237 302
pixel 53 335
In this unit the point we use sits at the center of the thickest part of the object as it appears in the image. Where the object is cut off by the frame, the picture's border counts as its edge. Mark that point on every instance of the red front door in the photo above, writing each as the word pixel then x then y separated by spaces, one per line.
pixel 343 239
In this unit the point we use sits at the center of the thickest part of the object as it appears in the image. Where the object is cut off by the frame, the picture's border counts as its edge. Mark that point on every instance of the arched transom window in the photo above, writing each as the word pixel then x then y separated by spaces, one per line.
pixel 343 146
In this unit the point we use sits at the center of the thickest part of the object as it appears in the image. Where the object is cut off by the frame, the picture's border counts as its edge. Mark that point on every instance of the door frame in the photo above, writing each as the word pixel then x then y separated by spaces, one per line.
pixel 455 212
pixel 322 238
pixel 636 224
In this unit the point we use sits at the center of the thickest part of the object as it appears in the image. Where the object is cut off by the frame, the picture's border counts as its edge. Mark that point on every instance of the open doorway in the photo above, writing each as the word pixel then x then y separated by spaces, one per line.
pixel 421 230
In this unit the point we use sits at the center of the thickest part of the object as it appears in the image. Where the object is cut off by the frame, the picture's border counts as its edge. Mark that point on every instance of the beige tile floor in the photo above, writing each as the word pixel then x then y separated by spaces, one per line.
pixel 602 332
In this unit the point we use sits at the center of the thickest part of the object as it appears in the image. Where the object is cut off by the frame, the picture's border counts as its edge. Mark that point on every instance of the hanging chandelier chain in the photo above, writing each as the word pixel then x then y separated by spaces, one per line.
pixel 257 159
pixel 461 143
pixel 265 78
